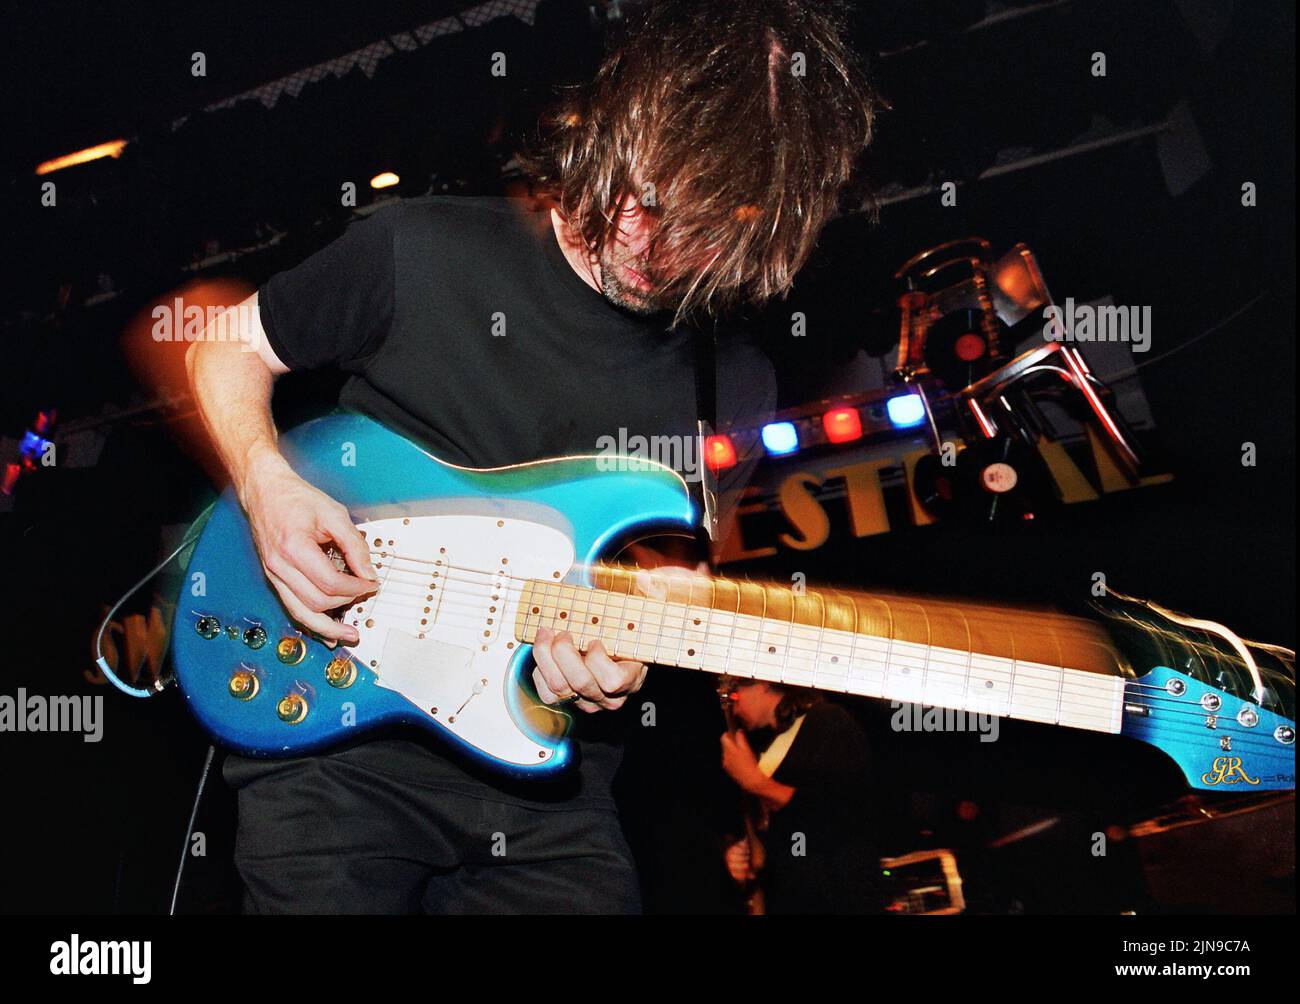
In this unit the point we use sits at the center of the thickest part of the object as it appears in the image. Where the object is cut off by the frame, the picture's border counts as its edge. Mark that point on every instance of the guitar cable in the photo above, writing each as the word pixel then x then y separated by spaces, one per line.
pixel 189 829
pixel 156 688
pixel 158 685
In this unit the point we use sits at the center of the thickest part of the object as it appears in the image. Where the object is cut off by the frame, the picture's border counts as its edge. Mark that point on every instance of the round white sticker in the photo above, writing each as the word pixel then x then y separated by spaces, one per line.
pixel 999 478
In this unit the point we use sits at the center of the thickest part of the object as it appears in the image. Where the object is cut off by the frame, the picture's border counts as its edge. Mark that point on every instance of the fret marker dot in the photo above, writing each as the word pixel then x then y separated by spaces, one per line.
pixel 988 684
pixel 771 649
pixel 631 626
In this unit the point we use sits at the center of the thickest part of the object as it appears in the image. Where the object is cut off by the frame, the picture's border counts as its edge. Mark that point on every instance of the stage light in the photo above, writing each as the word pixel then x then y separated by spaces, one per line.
pixel 780 438
pixel 33 446
pixel 842 425
pixel 385 179
pixel 113 148
pixel 719 452
pixel 906 411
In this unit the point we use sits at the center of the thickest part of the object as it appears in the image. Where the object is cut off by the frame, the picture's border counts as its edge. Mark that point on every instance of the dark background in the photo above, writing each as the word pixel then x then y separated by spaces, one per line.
pixel 99 827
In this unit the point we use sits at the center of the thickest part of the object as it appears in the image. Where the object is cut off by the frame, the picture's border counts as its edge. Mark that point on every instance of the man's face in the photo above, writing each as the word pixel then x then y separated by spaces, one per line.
pixel 755 704
pixel 622 261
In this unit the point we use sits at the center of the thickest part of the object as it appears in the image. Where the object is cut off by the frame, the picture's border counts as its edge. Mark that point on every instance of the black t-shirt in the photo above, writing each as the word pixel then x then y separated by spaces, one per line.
pixel 463 326
pixel 821 846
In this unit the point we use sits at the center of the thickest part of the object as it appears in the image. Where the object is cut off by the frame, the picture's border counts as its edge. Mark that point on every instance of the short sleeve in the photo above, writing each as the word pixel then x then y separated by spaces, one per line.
pixel 834 763
pixel 336 307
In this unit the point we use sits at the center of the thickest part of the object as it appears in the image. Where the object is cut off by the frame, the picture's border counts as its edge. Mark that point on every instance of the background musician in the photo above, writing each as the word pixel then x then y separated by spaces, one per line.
pixel 812 782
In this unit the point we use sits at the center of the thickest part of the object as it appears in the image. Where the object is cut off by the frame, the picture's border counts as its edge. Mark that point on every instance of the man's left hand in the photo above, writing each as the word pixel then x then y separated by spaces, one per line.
pixel 594 680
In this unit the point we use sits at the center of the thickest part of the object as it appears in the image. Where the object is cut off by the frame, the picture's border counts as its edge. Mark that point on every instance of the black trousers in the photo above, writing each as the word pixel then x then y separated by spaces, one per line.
pixel 321 835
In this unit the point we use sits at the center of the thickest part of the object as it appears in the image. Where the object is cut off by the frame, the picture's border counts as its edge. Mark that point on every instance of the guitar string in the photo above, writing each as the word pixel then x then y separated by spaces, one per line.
pixel 1236 732
pixel 663 632
pixel 600 565
pixel 450 565
pixel 889 637
pixel 1253 739
pixel 759 631
pixel 849 678
pixel 961 610
pixel 1058 688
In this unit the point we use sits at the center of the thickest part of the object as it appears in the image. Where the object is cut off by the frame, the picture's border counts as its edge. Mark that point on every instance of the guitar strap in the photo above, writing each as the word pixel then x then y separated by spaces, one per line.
pixel 706 407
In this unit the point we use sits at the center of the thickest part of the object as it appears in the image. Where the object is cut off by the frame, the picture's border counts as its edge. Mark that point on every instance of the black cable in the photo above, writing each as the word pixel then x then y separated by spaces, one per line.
pixel 189 830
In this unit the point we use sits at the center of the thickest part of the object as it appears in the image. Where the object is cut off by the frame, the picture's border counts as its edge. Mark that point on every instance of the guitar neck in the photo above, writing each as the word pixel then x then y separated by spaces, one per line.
pixel 1033 665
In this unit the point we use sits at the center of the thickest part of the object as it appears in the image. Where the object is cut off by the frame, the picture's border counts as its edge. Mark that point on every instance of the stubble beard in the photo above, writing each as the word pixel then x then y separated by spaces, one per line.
pixel 621 294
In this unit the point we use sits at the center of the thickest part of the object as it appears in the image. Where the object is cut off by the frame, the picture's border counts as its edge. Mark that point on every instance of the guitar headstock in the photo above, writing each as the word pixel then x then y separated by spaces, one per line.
pixel 1221 707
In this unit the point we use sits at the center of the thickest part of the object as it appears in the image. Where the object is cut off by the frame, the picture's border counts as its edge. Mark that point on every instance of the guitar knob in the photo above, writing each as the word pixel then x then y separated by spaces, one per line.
pixel 255 637
pixel 207 627
pixel 291 650
pixel 292 708
pixel 243 685
pixel 341 672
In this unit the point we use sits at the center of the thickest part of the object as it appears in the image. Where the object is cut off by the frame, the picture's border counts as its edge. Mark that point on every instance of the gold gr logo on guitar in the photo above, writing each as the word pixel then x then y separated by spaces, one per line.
pixel 1226 770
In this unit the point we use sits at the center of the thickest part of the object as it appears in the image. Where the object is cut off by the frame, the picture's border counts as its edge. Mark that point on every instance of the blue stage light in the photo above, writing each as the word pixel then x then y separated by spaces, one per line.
pixel 780 438
pixel 906 410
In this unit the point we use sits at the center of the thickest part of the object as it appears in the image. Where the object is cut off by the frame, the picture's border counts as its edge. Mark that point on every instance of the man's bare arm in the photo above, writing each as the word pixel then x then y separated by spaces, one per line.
pixel 232 371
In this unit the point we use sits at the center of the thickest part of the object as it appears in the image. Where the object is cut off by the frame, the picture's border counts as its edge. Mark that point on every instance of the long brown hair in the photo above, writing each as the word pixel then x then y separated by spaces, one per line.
pixel 737 125
pixel 795 701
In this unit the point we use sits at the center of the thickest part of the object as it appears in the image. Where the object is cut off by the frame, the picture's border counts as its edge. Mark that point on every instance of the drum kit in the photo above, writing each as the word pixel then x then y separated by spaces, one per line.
pixel 961 313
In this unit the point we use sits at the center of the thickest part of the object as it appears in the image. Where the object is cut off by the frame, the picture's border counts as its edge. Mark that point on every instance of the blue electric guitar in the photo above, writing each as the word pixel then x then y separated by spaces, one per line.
pixel 473 562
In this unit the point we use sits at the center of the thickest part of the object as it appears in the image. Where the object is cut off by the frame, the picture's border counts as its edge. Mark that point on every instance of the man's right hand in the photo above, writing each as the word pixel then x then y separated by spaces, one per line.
pixel 291 522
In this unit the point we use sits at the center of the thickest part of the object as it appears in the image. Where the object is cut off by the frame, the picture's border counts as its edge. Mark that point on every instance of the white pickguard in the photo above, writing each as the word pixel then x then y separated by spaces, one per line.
pixel 440 629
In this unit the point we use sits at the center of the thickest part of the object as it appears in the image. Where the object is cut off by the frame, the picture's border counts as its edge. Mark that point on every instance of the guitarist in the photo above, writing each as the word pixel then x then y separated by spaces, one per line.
pixel 493 333
pixel 812 789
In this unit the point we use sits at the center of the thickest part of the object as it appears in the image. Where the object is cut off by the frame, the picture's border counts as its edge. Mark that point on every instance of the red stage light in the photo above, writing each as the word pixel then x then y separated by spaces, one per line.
pixel 719 452
pixel 842 425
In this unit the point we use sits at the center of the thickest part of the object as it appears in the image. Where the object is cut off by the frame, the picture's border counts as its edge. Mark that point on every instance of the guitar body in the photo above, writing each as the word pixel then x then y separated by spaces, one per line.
pixel 437 647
